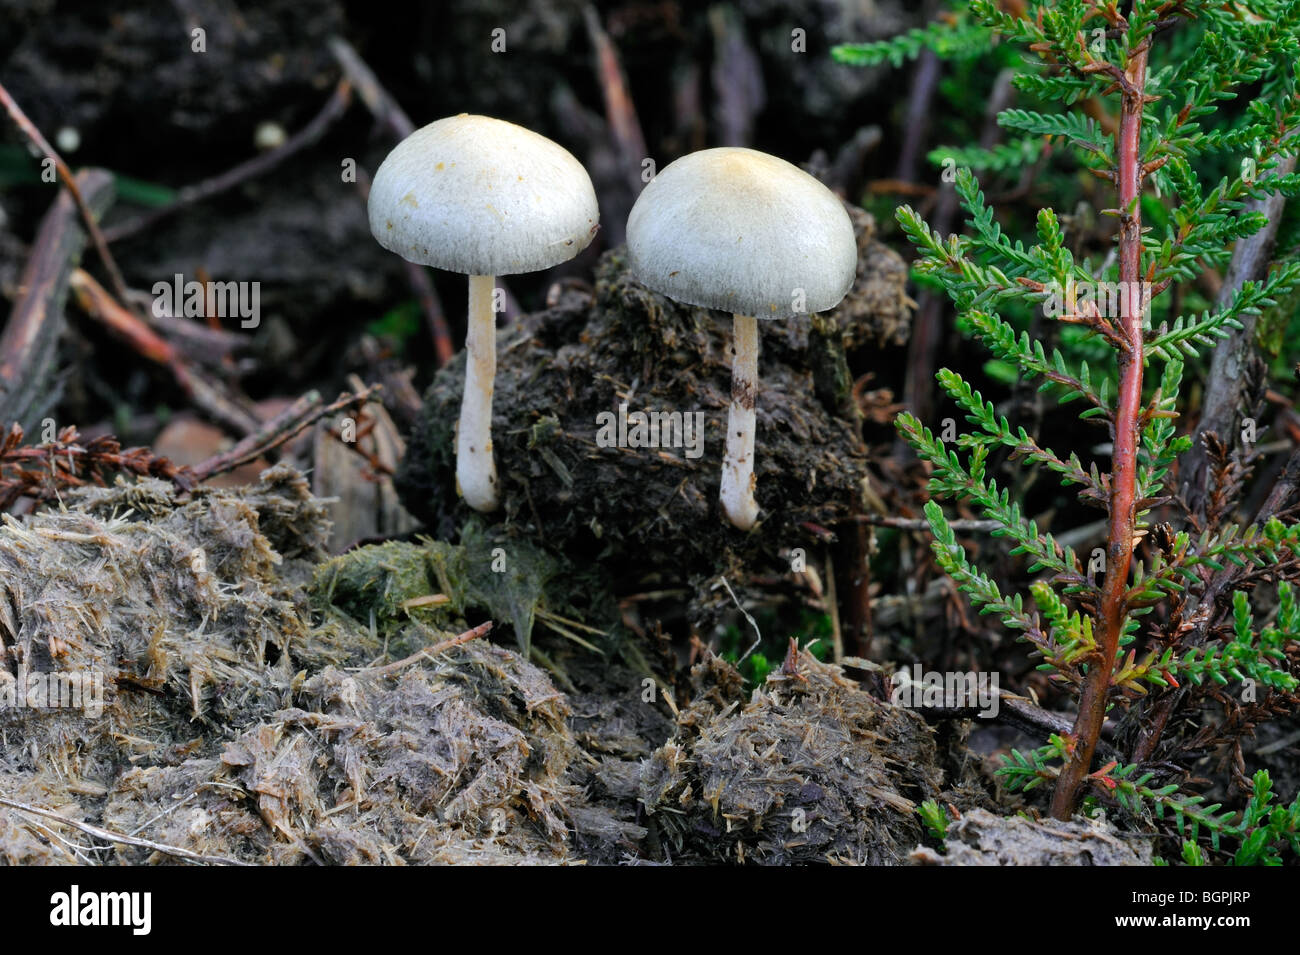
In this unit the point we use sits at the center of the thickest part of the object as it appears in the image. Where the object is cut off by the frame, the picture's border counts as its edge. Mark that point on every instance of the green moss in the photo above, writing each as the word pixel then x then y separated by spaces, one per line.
pixel 436 587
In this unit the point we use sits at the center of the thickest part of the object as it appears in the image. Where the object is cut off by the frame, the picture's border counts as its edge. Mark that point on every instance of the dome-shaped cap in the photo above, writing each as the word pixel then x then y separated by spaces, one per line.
pixel 481 196
pixel 742 231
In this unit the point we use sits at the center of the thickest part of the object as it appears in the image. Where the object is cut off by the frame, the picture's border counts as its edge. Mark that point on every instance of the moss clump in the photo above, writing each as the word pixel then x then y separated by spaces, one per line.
pixel 407 592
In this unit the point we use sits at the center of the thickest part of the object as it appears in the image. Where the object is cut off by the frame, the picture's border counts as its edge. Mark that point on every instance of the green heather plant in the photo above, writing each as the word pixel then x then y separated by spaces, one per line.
pixel 1183 167
pixel 935 818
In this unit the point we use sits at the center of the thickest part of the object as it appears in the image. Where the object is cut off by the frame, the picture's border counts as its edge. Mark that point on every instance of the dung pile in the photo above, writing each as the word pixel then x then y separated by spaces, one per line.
pixel 981 838
pixel 232 705
pixel 136 625
pixel 811 769
pixel 251 706
pixel 156 598
pixel 625 350
pixel 461 760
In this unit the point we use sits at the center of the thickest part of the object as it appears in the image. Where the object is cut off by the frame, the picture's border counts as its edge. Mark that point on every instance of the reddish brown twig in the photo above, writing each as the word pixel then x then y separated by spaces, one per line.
pixel 365 428
pixel 1123 480
pixel 619 111
pixel 96 302
pixel 482 630
pixel 200 387
pixel 852 563
pixel 431 306
pixel 299 416
pixel 69 181
pixel 259 165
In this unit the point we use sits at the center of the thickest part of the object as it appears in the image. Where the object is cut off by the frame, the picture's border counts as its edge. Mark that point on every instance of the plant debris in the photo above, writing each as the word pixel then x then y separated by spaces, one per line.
pixel 240 711
pixel 811 769
pixel 981 838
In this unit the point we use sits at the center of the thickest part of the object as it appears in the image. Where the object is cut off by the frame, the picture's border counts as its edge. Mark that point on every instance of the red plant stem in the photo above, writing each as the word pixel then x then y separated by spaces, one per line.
pixel 1123 479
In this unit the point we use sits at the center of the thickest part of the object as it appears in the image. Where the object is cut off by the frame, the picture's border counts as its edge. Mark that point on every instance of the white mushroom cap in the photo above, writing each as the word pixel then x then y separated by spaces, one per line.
pixel 481 196
pixel 742 231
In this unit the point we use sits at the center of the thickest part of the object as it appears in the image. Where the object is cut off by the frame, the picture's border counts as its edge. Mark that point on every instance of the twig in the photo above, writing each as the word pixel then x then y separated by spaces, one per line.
pixel 377 99
pixel 28 344
pixel 299 416
pixel 96 302
pixel 70 183
pixel 365 429
pixel 205 390
pixel 1023 715
pixel 921 524
pixel 925 81
pixel 854 569
pixel 110 836
pixel 614 144
pixel 1227 379
pixel 334 107
pixel 1283 489
pixel 758 634
pixel 900 187
pixel 431 306
pixel 620 113
pixel 480 631
pixel 1279 744
pixel 197 341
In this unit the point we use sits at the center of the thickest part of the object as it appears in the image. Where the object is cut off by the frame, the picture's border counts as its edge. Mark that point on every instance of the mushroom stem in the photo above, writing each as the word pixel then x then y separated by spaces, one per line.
pixel 476 472
pixel 738 465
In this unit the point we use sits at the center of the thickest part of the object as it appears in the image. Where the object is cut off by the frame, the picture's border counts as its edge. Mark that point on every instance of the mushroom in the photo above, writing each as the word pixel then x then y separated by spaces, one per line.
pixel 746 232
pixel 482 197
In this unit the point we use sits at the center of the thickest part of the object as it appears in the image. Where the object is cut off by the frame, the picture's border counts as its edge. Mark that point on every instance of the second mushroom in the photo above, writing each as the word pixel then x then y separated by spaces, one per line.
pixel 482 197
pixel 746 232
